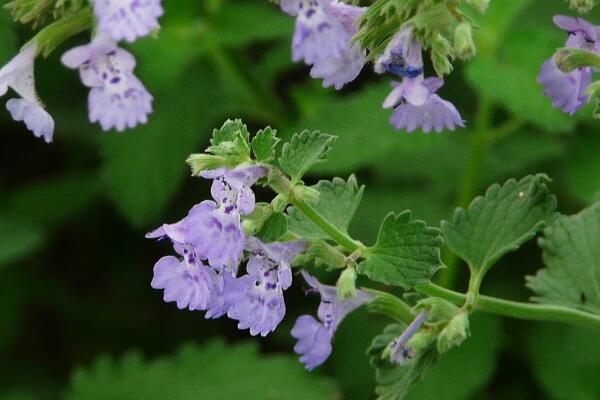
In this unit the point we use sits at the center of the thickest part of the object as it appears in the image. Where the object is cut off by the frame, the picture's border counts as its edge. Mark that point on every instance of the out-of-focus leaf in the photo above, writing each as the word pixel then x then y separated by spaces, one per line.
pixel 8 38
pixel 18 238
pixel 583 166
pixel 572 257
pixel 566 361
pixel 358 119
pixel 216 371
pixel 518 63
pixel 338 201
pixel 12 292
pixel 501 221
pixel 55 201
pixel 461 373
pixel 144 167
pixel 16 395
pixel 407 252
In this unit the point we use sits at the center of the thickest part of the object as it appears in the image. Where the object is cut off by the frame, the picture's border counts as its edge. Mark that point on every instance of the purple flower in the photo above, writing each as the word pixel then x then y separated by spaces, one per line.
pixel 417 106
pixel 18 75
pixel 187 282
pixel 117 98
pixel 401 352
pixel 231 189
pixel 568 90
pixel 319 35
pixel 257 302
pixel 216 235
pixel 127 19
pixel 314 338
pixel 403 56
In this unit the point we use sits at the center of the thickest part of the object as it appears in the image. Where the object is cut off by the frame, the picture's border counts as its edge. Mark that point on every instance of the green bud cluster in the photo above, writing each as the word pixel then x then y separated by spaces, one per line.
pixel 582 6
pixel 455 333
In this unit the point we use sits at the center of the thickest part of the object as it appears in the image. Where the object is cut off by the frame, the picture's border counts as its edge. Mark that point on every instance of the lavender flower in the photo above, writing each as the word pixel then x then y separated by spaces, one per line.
pixel 187 282
pixel 319 35
pixel 568 90
pixel 127 19
pixel 401 352
pixel 342 69
pixel 17 74
pixel 257 302
pixel 231 189
pixel 403 55
pixel 117 98
pixel 417 106
pixel 314 338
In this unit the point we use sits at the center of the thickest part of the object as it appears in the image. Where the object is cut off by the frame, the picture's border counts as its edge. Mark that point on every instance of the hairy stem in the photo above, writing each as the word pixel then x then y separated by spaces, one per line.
pixel 515 309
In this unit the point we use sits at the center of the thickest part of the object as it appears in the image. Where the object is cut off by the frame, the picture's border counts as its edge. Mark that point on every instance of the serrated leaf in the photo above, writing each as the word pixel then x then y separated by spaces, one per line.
pixel 273 228
pixel 264 143
pixel 305 150
pixel 338 202
pixel 501 221
pixel 185 375
pixel 572 256
pixel 407 252
pixel 229 132
pixel 562 375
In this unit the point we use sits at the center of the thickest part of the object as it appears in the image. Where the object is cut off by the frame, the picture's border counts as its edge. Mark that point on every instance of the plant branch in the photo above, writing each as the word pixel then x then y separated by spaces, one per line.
pixel 515 309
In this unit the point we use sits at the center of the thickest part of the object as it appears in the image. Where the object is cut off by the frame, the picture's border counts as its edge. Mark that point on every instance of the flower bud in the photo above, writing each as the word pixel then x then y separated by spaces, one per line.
pixel 456 332
pixel 480 5
pixel 280 202
pixel 204 162
pixel 306 193
pixel 569 59
pixel 464 47
pixel 441 53
pixel 346 284
pixel 582 6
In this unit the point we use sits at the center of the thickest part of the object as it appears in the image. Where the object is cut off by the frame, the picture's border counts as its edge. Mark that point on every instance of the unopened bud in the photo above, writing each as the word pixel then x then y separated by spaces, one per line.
pixel 441 53
pixel 569 59
pixel 306 193
pixel 464 47
pixel 455 333
pixel 204 162
pixel 479 5
pixel 280 202
pixel 582 6
pixel 346 284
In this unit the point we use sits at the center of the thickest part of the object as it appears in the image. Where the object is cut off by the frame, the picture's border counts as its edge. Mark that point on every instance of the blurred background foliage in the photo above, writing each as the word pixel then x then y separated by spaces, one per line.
pixel 78 319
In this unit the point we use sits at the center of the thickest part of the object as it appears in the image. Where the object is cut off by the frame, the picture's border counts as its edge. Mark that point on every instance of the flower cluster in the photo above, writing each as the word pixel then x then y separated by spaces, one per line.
pixel 211 243
pixel 568 91
pixel 127 19
pixel 323 39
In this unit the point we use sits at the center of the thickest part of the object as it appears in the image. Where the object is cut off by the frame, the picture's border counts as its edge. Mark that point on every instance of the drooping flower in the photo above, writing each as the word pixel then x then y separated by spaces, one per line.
pixel 117 98
pixel 403 55
pixel 18 75
pixel 187 282
pixel 314 337
pixel 319 35
pixel 416 105
pixel 401 352
pixel 344 68
pixel 257 302
pixel 127 19
pixel 568 90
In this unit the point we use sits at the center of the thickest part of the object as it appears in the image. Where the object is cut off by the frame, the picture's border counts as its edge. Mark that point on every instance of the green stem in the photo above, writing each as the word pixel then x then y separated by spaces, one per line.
pixel 515 309
pixel 390 305
pixel 334 233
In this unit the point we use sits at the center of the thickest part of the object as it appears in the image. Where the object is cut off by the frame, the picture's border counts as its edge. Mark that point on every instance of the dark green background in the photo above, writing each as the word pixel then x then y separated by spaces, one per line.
pixel 75 268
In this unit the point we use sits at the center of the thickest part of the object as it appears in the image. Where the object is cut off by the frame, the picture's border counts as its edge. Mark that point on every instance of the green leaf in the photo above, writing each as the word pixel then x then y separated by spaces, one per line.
pixel 231 142
pixel 565 361
pixel 572 256
pixel 407 252
pixel 304 151
pixel 231 131
pixel 144 167
pixel 18 238
pixel 216 371
pixel 337 203
pixel 501 221
pixel 274 227
pixel 264 144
